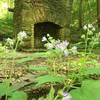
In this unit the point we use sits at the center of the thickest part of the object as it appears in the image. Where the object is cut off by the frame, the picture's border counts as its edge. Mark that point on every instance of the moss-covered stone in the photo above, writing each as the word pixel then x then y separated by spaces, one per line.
pixel 29 13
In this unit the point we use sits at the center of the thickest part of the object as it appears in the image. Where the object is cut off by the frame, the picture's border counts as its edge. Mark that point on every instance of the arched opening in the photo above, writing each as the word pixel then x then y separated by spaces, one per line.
pixel 41 29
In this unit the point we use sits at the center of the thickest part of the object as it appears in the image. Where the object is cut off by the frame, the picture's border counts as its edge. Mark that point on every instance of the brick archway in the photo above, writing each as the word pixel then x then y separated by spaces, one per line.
pixel 41 29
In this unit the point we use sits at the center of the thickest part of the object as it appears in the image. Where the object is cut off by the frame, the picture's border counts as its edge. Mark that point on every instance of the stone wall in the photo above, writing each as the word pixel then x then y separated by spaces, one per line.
pixel 27 13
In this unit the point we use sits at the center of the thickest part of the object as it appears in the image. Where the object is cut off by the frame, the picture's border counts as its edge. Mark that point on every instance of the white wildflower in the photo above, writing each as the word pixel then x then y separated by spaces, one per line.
pixel 85 27
pixel 90 32
pixel 10 41
pixel 22 35
pixel 66 52
pixel 74 50
pixel 83 36
pixel 44 39
pixel 63 45
pixel 48 35
pixel 90 26
pixel 93 29
pixel 49 46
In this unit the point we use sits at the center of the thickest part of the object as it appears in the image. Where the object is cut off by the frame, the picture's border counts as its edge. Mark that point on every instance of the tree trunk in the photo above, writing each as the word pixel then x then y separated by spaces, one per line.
pixel 80 14
pixel 98 13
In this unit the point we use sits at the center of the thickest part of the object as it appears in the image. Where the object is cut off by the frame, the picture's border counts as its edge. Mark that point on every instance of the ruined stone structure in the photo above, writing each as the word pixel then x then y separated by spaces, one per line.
pixel 40 17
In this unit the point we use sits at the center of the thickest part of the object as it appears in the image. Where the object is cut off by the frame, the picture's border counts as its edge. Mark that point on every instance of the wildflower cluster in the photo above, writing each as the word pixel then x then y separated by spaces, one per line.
pixel 22 35
pixel 91 39
pixel 11 42
pixel 51 43
pixel 89 27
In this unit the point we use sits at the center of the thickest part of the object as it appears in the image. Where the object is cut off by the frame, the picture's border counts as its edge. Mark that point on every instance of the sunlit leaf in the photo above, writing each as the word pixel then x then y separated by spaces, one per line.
pixel 49 79
pixel 18 95
pixel 51 94
pixel 90 90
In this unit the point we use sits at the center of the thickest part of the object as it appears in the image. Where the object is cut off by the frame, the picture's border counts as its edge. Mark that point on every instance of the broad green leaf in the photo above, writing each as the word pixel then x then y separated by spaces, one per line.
pixel 5 89
pixel 24 60
pixel 90 90
pixel 18 95
pixel 49 79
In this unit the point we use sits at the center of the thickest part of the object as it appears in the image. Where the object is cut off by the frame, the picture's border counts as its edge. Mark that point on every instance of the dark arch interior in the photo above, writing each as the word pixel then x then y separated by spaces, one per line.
pixel 41 29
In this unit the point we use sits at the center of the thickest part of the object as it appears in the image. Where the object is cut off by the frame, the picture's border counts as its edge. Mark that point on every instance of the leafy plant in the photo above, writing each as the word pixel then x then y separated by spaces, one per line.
pixel 5 87
pixel 53 95
pixel 90 71
pixel 58 48
pixel 90 90
pixel 91 39
pixel 7 91
pixel 31 57
pixel 49 79
pixel 18 95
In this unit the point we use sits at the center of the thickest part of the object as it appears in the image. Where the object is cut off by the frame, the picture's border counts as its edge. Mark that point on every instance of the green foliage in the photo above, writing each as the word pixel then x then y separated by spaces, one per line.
pixel 49 79
pixel 6 19
pixel 51 94
pixel 90 90
pixel 56 95
pixel 32 57
pixel 90 38
pixel 51 54
pixel 24 60
pixel 90 71
pixel 5 89
pixel 38 68
pixel 88 12
pixel 18 95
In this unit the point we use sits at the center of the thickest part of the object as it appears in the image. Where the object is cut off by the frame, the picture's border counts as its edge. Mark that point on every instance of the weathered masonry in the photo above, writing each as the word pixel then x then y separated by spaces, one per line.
pixel 40 17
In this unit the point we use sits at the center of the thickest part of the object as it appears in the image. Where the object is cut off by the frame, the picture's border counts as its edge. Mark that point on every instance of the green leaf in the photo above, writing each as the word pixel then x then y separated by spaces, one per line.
pixel 24 60
pixel 5 89
pixel 38 68
pixel 41 98
pixel 39 54
pixel 90 71
pixel 18 95
pixel 30 58
pixel 49 79
pixel 90 90
pixel 51 94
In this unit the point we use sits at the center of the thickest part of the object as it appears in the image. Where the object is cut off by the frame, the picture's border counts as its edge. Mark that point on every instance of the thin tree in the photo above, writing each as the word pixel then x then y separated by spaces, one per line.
pixel 98 13
pixel 80 14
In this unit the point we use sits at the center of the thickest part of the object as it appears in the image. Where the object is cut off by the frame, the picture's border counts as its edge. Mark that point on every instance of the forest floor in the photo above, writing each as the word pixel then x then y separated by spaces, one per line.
pixel 17 68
